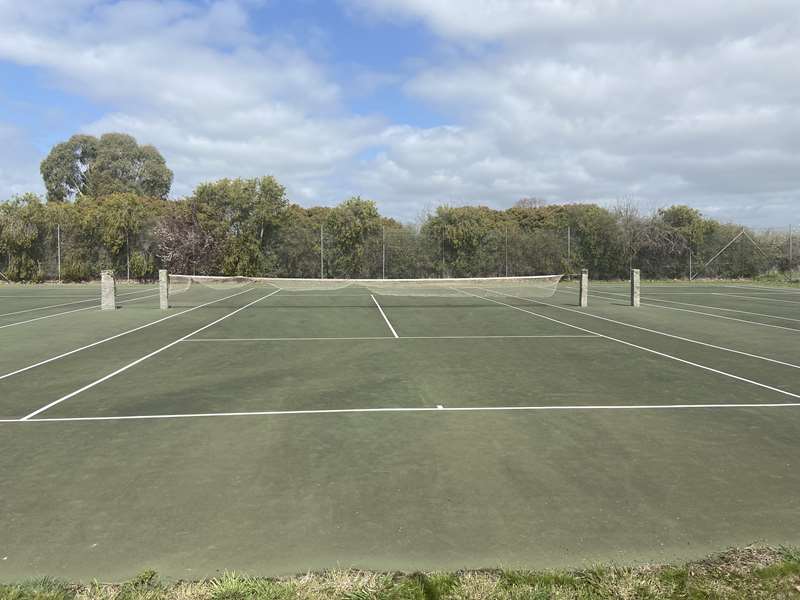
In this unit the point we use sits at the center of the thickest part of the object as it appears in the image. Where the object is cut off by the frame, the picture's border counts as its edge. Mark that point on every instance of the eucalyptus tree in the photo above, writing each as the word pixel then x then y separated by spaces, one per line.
pixel 113 163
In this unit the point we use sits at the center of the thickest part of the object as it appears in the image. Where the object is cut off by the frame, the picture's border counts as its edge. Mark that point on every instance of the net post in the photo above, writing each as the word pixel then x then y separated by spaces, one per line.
pixel 584 290
pixel 635 287
pixel 108 291
pixel 163 289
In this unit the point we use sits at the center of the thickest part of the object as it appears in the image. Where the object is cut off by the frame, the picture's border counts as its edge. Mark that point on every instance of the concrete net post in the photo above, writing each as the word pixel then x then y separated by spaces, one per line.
pixel 163 289
pixel 108 291
pixel 584 287
pixel 635 287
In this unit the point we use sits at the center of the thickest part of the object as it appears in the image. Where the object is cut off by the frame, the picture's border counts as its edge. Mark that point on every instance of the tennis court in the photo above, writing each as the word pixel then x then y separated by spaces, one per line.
pixel 274 431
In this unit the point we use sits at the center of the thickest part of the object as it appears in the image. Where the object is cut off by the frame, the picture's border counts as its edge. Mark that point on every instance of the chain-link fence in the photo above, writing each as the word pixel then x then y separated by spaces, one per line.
pixel 407 252
pixel 36 249
pixel 411 253
pixel 744 253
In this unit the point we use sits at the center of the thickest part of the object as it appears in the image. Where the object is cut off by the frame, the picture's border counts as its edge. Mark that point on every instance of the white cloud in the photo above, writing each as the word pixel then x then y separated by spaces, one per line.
pixel 589 20
pixel 19 163
pixel 594 100
pixel 571 100
pixel 195 81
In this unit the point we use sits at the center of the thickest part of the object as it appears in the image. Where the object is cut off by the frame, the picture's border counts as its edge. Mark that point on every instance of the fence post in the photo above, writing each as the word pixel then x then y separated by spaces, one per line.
pixel 58 249
pixel 321 253
pixel 569 244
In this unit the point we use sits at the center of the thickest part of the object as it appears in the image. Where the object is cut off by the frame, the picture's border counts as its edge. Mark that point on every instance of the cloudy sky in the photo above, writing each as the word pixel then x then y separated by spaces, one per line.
pixel 415 103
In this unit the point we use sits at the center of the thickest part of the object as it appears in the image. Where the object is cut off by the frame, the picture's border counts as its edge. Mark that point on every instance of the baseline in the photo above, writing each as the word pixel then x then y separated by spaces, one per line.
pixel 414 409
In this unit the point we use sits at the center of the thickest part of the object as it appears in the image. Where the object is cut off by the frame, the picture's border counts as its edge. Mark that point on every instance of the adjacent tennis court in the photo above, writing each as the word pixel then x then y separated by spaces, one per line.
pixel 279 430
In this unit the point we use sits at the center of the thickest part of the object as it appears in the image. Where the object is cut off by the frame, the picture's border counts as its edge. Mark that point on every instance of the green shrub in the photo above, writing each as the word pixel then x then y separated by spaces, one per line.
pixel 24 268
pixel 243 256
pixel 142 266
pixel 75 270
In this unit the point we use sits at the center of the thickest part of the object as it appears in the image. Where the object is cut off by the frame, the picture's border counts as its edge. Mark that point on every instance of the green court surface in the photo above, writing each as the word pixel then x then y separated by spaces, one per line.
pixel 273 433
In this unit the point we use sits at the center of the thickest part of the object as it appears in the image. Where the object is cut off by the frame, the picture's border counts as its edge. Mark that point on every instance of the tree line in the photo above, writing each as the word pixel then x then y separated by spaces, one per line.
pixel 107 208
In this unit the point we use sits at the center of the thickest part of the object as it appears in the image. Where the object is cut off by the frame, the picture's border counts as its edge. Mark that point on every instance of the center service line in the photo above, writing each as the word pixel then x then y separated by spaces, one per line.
pixel 383 314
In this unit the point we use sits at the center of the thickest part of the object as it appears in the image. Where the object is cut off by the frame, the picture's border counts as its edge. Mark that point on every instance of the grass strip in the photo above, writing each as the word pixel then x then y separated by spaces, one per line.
pixel 752 573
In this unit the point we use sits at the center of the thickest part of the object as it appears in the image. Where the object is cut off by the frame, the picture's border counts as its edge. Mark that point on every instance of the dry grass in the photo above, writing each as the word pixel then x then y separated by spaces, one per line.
pixel 752 573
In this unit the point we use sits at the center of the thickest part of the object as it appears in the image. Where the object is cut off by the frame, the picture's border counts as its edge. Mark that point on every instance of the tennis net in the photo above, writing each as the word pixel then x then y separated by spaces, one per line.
pixel 189 290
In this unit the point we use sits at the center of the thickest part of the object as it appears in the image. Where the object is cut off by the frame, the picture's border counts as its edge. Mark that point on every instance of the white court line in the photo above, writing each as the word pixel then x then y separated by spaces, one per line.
pixel 716 316
pixel 680 293
pixel 415 409
pixel 385 318
pixel 93 299
pixel 48 296
pixel 68 312
pixel 657 332
pixel 142 359
pixel 763 287
pixel 734 310
pixel 113 337
pixel 701 288
pixel 698 312
pixel 323 295
pixel 386 337
pixel 726 295
pixel 645 349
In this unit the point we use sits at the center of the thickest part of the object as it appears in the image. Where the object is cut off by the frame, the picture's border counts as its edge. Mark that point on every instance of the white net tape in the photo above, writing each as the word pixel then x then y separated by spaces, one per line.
pixel 536 286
